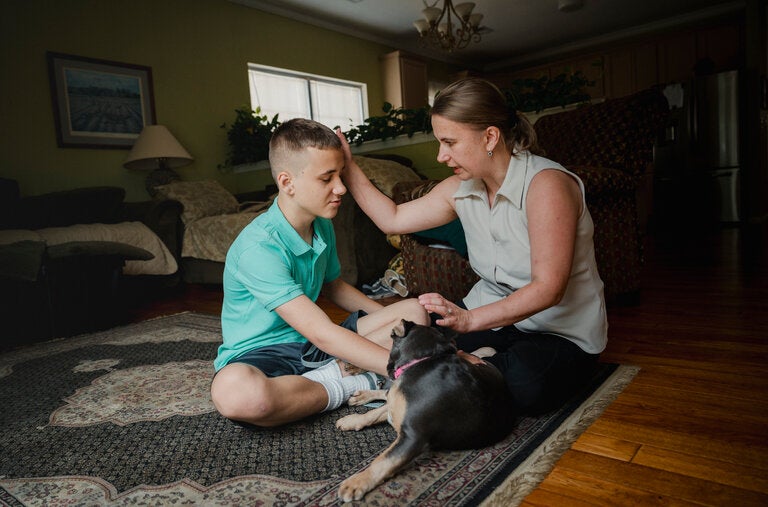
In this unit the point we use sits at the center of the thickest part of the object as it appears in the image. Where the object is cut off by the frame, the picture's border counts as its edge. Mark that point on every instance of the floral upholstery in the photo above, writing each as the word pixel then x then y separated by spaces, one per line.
pixel 429 269
pixel 617 133
pixel 609 145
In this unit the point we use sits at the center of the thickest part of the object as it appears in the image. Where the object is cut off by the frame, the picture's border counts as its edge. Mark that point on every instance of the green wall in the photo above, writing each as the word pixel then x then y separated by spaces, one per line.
pixel 198 51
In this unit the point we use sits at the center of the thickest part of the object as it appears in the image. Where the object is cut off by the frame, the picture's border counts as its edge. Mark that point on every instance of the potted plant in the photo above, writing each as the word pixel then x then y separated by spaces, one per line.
pixel 248 137
pixel 534 95
pixel 394 122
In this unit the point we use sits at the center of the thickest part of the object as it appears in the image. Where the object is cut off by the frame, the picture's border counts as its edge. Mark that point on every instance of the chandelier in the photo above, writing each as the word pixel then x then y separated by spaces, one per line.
pixel 449 28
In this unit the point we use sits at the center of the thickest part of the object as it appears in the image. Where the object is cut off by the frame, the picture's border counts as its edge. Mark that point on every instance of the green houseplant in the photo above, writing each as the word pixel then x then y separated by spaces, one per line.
pixel 394 122
pixel 248 137
pixel 534 95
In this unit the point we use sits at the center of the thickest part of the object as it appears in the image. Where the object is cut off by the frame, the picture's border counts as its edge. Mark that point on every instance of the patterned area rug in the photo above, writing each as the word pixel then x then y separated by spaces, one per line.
pixel 124 417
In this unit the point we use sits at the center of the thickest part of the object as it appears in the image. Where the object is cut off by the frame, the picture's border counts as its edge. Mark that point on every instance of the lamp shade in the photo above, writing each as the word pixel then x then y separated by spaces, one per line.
pixel 156 148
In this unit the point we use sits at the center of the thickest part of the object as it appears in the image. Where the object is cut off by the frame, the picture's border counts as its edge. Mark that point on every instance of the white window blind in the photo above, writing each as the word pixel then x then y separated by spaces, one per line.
pixel 291 94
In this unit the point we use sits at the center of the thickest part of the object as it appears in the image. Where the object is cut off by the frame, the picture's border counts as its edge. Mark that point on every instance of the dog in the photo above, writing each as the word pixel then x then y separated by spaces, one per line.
pixel 437 401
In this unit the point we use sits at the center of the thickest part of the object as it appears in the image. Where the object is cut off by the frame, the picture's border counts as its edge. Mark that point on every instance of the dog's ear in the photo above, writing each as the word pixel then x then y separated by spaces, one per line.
pixel 402 328
pixel 398 331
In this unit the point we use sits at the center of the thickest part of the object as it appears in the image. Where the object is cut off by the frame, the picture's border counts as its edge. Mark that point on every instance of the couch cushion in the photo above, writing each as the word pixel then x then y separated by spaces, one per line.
pixel 199 198
pixel 99 248
pixel 21 261
pixel 134 234
pixel 385 173
pixel 451 234
pixel 10 236
pixel 68 207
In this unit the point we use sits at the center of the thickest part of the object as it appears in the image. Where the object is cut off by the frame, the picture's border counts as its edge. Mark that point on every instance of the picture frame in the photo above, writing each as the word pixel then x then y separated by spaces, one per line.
pixel 99 103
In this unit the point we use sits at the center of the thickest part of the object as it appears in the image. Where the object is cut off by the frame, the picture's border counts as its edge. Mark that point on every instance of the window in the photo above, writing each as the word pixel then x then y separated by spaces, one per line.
pixel 332 102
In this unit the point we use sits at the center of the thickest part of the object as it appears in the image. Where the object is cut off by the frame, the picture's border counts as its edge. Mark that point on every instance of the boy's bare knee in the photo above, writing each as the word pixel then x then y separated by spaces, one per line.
pixel 415 312
pixel 239 400
pixel 238 407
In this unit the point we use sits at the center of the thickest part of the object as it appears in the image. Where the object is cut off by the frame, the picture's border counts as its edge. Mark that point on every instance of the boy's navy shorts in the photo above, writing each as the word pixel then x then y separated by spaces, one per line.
pixel 292 358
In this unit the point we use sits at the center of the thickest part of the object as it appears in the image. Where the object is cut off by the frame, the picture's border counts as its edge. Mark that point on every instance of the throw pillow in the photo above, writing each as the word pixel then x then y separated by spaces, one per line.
pixel 385 173
pixel 451 233
pixel 199 198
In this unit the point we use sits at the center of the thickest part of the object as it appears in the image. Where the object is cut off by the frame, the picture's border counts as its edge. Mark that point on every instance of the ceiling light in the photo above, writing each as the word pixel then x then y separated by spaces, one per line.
pixel 450 27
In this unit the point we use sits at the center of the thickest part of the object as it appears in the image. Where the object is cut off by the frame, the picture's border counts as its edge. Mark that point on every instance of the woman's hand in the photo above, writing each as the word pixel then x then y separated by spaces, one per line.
pixel 344 146
pixel 454 316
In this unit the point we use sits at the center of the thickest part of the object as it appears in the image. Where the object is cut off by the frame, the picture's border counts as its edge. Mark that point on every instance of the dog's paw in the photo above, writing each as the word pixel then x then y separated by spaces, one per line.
pixel 353 488
pixel 352 422
pixel 366 396
pixel 356 399
pixel 359 398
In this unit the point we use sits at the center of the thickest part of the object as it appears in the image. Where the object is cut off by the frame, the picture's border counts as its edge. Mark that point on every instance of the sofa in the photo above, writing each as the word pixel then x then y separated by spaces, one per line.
pixel 69 259
pixel 609 145
pixel 212 217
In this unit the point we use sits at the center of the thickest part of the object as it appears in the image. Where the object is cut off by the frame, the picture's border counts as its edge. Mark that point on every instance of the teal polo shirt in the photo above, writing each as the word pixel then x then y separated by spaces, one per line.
pixel 267 265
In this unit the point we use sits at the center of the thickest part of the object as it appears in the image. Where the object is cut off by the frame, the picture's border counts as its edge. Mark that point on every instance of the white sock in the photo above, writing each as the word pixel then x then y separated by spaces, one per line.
pixel 339 390
pixel 362 382
pixel 329 371
pixel 335 394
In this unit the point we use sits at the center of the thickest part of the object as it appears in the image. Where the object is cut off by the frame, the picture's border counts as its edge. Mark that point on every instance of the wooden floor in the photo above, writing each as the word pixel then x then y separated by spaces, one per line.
pixel 692 428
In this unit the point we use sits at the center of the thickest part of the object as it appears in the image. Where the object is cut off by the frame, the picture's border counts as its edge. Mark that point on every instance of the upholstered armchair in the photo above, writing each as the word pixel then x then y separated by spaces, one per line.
pixel 426 267
pixel 609 145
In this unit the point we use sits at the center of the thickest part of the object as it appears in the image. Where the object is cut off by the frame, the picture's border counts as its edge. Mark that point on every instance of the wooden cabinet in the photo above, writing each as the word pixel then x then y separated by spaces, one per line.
pixel 631 66
pixel 619 78
pixel 405 80
pixel 721 45
pixel 646 66
pixel 677 57
pixel 630 69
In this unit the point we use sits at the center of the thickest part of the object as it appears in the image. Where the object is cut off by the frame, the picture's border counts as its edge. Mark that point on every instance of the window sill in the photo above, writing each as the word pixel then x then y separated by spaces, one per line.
pixel 366 147
pixel 403 140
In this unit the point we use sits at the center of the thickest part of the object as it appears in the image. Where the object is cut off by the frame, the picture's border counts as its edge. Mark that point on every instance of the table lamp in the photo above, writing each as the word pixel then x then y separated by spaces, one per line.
pixel 156 150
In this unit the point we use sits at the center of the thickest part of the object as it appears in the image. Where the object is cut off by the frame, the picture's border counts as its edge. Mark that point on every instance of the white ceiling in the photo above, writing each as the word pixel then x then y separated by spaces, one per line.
pixel 519 31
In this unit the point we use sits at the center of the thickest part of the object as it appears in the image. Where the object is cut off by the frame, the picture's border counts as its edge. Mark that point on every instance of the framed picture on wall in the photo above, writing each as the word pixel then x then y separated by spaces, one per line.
pixel 99 103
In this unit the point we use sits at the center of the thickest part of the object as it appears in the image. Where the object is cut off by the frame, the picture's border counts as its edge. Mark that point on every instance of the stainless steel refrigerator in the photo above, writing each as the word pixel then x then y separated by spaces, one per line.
pixel 714 123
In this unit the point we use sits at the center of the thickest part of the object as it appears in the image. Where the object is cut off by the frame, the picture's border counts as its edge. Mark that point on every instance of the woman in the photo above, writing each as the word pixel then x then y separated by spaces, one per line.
pixel 539 304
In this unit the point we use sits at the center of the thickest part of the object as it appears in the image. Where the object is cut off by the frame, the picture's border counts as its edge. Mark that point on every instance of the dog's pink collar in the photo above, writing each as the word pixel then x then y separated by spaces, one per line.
pixel 399 371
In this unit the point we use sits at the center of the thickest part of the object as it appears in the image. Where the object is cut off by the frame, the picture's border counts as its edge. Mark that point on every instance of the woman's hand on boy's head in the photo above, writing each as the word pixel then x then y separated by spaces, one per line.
pixel 344 146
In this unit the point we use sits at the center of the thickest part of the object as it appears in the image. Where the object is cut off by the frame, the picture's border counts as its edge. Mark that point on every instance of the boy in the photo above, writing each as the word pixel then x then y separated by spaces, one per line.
pixel 274 333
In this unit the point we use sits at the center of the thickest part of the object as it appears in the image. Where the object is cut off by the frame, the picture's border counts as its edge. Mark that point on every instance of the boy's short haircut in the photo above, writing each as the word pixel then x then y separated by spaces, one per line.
pixel 294 136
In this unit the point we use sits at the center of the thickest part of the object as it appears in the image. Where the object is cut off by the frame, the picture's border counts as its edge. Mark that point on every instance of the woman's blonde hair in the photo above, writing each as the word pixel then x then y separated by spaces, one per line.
pixel 480 103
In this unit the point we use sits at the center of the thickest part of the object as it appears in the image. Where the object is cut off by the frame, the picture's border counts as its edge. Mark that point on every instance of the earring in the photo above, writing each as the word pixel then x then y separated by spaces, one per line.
pixel 490 153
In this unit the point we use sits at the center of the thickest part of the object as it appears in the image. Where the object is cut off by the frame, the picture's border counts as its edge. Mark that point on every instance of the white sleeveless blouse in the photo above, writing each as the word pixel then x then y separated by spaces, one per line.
pixel 500 253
